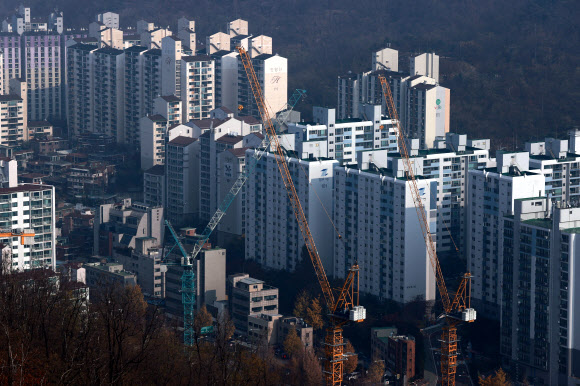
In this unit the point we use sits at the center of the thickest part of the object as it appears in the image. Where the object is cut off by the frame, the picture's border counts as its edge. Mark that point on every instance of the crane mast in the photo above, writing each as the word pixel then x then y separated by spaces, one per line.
pixel 345 306
pixel 453 312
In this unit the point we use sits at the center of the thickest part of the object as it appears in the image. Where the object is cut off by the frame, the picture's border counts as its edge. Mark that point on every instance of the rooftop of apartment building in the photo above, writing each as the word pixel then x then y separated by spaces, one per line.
pixel 157 118
pixel 544 157
pixel 158 170
pixel 182 141
pixel 153 51
pixel 110 267
pixel 423 86
pixel 25 188
pixel 197 58
pixel 135 49
pixel 9 98
pixel 512 173
pixel 170 98
pixel 428 152
pixel 240 153
pixel 230 139
pixel 109 51
pixel 206 124
pixel 84 47
pixel 390 74
pixel 373 169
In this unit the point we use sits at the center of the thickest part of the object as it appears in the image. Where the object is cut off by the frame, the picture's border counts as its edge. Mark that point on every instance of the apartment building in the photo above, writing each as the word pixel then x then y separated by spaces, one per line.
pixel 376 210
pixel 109 19
pixel 134 93
pixel 153 130
pixel 145 262
pixel 100 276
pixel 491 195
pixel 80 78
pixel 226 78
pixel 106 36
pixel 11 55
pixel 220 133
pixel 197 86
pixel 171 55
pixel 539 335
pixel 425 64
pixel 422 104
pixel 182 165
pixel 41 67
pixel 108 94
pixel 12 120
pixel 558 162
pixel 248 297
pixel 385 59
pixel 154 186
pixel 401 357
pixel 427 110
pixel 273 237
pixel 272 73
pixel 22 21
pixel 117 226
pixel 29 207
pixel 115 106
pixel 448 162
pixel 186 33
pixel 230 164
pixel 343 139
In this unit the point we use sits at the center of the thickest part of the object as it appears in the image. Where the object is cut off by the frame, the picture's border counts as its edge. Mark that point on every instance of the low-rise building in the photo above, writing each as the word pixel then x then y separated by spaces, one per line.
pixel 145 262
pixel 119 225
pixel 100 276
pixel 303 330
pixel 247 297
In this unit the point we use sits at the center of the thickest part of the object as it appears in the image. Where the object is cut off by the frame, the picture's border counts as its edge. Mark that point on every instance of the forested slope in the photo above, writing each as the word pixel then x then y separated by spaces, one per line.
pixel 513 66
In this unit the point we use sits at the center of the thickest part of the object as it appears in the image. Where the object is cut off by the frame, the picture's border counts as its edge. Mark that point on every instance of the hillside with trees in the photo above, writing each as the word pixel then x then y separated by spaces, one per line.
pixel 512 66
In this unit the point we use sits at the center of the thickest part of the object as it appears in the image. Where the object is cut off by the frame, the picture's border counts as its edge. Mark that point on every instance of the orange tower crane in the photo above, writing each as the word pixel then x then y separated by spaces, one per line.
pixel 456 311
pixel 344 307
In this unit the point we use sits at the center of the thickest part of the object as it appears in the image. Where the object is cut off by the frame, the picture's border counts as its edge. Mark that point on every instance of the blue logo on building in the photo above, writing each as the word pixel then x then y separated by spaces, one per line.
pixel 324 172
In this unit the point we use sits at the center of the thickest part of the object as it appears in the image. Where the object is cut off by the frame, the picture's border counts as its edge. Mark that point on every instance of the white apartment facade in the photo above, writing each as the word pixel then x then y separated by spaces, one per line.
pixel 197 86
pixel 273 237
pixel 41 64
pixel 559 162
pixel 492 193
pixel 272 73
pixel 375 214
pixel 539 333
pixel 448 164
pixel 219 134
pixel 154 130
pixel 342 139
pixel 226 79
pixel 12 120
pixel 29 207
